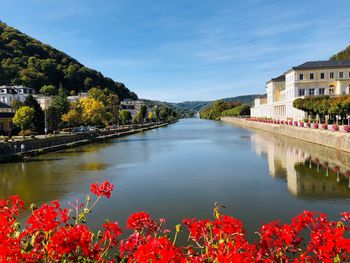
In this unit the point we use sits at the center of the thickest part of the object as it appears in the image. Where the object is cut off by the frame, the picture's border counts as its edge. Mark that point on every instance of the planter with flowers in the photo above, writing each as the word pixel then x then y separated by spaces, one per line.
pixel 324 126
pixel 315 125
pixel 335 127
pixel 346 128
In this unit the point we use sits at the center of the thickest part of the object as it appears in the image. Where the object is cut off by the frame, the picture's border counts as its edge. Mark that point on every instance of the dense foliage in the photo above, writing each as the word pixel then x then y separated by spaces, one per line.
pixel 56 234
pixel 241 110
pixel 324 105
pixel 342 55
pixel 26 61
pixel 215 110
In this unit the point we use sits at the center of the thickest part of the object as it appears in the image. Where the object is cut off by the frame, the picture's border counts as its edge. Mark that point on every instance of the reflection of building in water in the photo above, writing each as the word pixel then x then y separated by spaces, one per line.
pixel 310 170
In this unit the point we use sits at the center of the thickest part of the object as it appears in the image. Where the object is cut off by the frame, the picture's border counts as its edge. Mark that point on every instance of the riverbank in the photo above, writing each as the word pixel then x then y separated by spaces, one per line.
pixel 336 140
pixel 12 152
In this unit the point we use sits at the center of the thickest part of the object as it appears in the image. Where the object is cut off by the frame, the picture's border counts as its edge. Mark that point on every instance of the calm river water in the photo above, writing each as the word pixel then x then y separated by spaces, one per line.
pixel 181 170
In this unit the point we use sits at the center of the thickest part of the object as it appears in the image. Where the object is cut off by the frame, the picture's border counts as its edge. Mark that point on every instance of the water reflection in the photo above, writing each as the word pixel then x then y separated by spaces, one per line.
pixel 311 171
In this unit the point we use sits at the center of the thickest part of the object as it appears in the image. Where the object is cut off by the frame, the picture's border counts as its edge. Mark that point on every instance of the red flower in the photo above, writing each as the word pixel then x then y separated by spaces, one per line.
pixel 141 221
pixel 104 189
pixel 111 233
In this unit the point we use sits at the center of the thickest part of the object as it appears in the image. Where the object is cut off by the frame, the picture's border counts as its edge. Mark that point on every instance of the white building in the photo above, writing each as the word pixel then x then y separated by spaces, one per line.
pixel 77 97
pixel 312 78
pixel 43 100
pixel 133 106
pixel 10 93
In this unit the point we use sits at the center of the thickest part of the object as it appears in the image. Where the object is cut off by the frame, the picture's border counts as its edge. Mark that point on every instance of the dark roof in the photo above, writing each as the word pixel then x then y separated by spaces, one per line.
pixel 4 105
pixel 324 64
pixel 279 78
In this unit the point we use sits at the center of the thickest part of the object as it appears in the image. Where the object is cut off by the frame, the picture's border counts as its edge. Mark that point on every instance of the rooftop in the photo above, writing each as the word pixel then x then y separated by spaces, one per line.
pixel 279 78
pixel 4 106
pixel 324 64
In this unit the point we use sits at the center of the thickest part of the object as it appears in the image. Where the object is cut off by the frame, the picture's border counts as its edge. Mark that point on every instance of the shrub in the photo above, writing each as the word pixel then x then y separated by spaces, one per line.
pixel 335 127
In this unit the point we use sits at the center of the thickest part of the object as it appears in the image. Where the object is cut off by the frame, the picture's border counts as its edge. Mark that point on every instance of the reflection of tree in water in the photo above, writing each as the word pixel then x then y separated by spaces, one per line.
pixel 321 180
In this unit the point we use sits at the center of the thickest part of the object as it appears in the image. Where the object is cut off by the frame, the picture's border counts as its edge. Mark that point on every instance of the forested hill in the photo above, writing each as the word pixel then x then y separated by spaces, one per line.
pixel 26 61
pixel 200 105
pixel 342 55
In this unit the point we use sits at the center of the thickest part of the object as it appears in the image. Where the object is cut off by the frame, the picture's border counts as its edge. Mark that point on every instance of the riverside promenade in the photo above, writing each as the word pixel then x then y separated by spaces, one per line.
pixel 20 150
pixel 334 139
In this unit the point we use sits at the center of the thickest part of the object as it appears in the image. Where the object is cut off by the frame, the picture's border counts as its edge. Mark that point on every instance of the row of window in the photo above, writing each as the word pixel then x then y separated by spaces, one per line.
pixel 311 92
pixel 322 75
pixel 16 91
pixel 4 99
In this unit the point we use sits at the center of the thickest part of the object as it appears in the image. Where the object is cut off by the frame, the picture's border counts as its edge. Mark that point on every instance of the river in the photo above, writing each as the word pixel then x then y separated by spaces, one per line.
pixel 181 170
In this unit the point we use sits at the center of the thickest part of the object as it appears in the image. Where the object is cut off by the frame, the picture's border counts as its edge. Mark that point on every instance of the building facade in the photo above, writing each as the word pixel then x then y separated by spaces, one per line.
pixel 133 106
pixel 312 78
pixel 44 101
pixel 10 93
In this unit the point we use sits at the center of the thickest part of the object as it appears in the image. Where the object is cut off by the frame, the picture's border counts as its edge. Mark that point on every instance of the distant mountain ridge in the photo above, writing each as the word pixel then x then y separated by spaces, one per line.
pixel 196 106
pixel 26 61
pixel 200 105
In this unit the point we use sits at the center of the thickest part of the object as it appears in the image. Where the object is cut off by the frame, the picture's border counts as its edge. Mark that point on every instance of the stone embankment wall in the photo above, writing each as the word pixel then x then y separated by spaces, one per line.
pixel 11 151
pixel 333 139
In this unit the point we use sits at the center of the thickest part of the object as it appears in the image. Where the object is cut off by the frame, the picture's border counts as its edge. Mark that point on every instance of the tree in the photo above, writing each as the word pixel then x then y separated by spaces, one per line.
pixel 52 119
pixel 163 114
pixel 48 90
pixel 38 123
pixel 143 113
pixel 72 118
pixel 97 94
pixel 156 113
pixel 16 104
pixel 93 111
pixel 124 116
pixel 151 116
pixel 113 105
pixel 60 103
pixel 23 118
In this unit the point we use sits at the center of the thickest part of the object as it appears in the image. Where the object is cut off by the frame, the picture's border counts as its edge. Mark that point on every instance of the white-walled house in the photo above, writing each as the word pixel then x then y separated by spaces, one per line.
pixel 10 93
pixel 312 78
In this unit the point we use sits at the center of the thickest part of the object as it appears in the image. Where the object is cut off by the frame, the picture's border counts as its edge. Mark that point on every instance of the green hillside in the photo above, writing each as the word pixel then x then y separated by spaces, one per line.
pixel 342 55
pixel 26 61
pixel 196 106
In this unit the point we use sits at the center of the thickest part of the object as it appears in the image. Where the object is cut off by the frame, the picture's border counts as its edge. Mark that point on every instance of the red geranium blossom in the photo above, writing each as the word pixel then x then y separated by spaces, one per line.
pixel 104 189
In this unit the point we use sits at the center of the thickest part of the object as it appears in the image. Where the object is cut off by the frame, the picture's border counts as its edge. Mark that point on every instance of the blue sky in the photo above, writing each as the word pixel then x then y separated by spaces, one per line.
pixel 177 50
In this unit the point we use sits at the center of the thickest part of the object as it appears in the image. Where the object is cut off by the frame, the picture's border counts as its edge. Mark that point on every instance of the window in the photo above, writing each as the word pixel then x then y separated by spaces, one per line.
pixel 301 92
pixel 331 90
pixel 311 92
pixel 341 75
pixel 322 75
pixel 311 75
pixel 331 75
pixel 301 76
pixel 321 91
